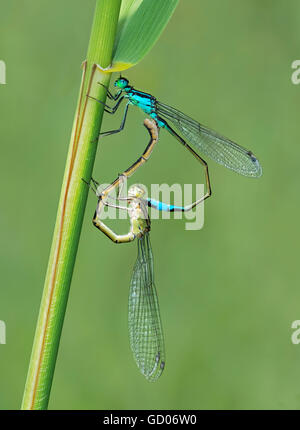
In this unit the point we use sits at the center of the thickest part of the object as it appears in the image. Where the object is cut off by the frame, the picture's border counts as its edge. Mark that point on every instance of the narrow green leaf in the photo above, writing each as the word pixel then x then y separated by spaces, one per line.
pixel 141 22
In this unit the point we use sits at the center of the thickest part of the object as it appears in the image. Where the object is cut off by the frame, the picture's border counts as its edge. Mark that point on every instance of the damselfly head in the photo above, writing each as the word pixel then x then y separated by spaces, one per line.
pixel 121 83
pixel 136 191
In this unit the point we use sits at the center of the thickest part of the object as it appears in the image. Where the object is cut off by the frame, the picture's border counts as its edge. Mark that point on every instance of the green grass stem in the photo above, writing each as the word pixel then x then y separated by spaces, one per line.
pixel 73 198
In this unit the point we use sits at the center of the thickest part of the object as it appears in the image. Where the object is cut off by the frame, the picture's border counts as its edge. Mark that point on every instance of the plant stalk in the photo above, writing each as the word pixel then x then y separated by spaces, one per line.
pixel 74 192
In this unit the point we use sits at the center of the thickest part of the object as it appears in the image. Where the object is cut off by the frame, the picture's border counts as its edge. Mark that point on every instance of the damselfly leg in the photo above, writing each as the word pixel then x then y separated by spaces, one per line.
pixel 200 159
pixel 107 108
pixel 109 94
pixel 109 132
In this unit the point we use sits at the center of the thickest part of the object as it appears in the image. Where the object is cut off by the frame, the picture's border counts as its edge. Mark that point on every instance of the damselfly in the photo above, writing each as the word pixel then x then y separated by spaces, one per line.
pixel 145 329
pixel 203 140
pixel 144 323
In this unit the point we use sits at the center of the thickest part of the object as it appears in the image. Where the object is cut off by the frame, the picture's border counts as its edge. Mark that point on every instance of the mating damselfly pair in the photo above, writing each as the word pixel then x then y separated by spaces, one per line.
pixel 145 328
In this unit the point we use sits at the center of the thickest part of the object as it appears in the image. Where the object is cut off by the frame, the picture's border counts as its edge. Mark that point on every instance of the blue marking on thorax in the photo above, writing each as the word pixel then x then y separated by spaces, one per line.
pixel 146 102
pixel 160 206
pixel 142 100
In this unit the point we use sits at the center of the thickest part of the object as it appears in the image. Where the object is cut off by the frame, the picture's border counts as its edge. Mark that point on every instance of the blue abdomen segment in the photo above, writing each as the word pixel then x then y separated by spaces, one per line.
pixel 160 206
pixel 160 122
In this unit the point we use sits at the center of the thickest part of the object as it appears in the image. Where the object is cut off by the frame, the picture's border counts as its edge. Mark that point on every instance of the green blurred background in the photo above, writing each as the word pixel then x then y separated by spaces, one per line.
pixel 229 292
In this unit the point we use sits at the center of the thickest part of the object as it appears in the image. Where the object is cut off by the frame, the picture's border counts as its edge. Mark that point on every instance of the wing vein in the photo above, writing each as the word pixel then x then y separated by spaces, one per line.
pixel 144 323
pixel 206 141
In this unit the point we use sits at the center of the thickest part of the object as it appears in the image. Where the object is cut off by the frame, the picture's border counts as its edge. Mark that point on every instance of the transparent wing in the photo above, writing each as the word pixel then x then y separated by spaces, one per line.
pixel 210 143
pixel 145 329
